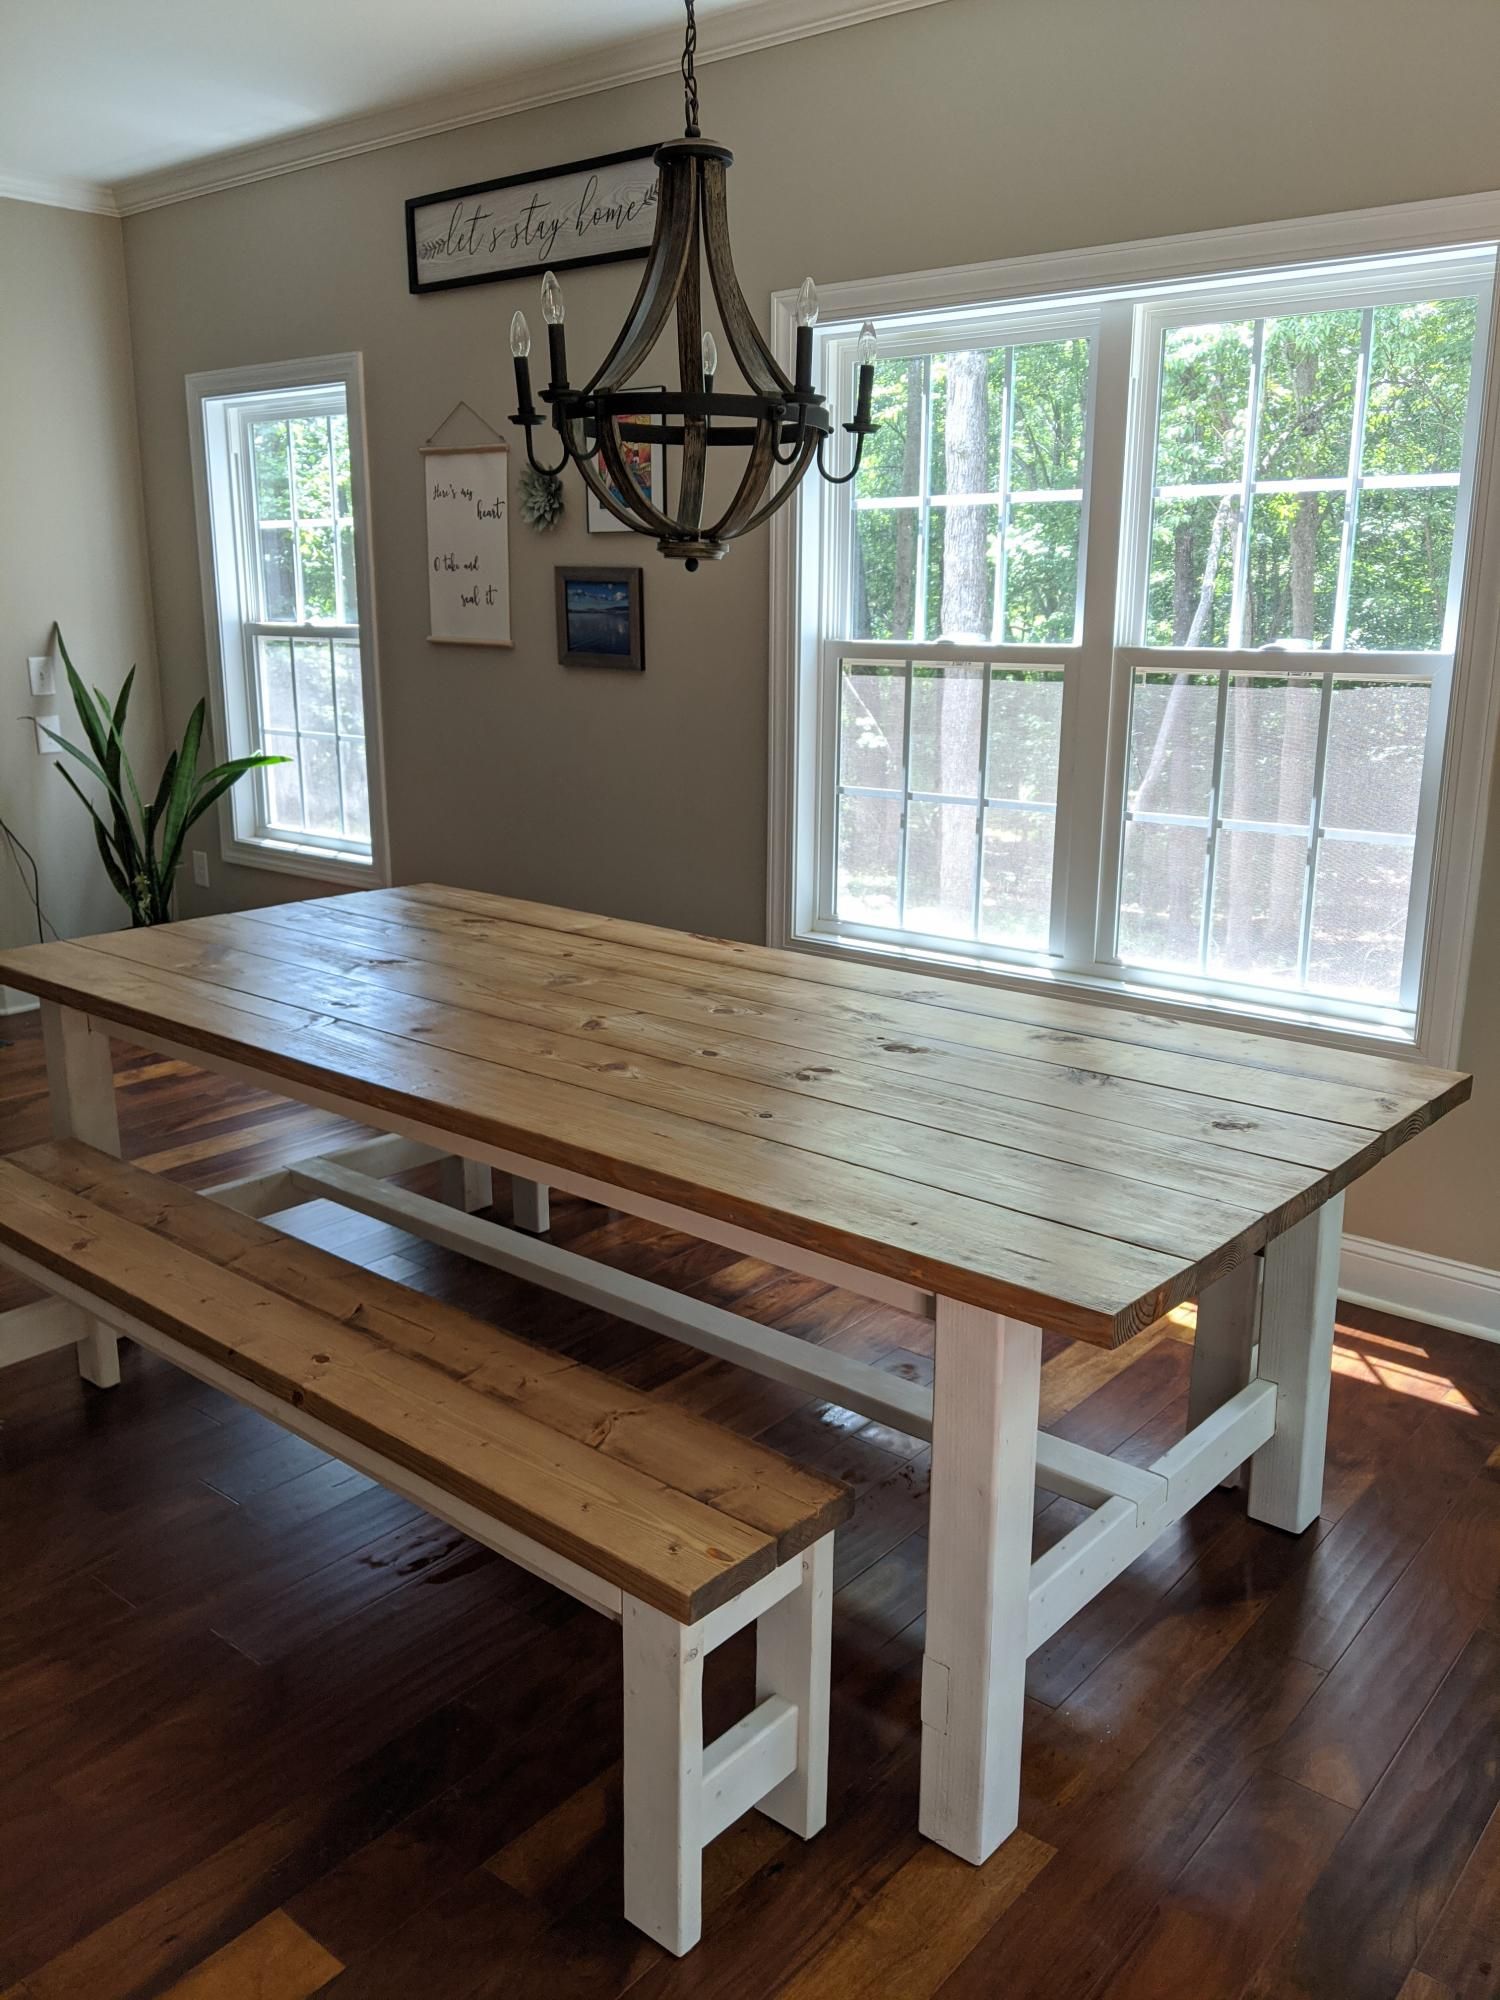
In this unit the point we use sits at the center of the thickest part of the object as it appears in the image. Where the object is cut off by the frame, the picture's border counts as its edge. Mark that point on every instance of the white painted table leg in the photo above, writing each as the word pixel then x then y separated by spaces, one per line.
pixel 663 1776
pixel 1224 1344
pixel 793 1643
pixel 466 1184
pixel 1299 1299
pixel 81 1085
pixel 531 1207
pixel 986 1395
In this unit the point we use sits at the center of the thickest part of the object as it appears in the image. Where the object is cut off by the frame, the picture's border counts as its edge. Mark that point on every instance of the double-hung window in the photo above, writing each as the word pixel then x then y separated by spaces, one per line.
pixel 279 460
pixel 1128 659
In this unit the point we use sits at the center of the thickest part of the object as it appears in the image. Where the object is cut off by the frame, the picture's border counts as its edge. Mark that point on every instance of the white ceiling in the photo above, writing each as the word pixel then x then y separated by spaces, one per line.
pixel 99 96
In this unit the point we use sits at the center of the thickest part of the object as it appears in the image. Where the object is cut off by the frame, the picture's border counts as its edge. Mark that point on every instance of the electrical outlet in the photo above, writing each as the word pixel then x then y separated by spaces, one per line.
pixel 45 747
pixel 200 868
pixel 41 670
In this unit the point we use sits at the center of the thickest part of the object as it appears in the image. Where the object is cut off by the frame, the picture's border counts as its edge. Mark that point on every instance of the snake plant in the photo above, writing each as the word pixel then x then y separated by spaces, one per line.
pixel 141 845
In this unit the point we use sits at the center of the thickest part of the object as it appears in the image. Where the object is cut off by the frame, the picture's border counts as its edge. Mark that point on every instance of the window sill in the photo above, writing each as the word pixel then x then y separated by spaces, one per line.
pixel 286 857
pixel 1137 996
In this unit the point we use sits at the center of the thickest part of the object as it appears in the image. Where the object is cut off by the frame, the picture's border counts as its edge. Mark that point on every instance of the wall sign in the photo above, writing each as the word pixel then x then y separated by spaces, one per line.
pixel 587 212
pixel 468 544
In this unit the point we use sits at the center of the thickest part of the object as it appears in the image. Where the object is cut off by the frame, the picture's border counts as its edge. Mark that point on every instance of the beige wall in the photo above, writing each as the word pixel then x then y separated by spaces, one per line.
pixel 71 540
pixel 967 131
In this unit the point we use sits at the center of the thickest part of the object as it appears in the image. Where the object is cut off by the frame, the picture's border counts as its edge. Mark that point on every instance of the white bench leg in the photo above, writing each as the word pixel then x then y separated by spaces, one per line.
pixel 793 1647
pixel 465 1184
pixel 1224 1344
pixel 1299 1301
pixel 81 1085
pixel 663 1776
pixel 680 1793
pixel 986 1397
pixel 531 1207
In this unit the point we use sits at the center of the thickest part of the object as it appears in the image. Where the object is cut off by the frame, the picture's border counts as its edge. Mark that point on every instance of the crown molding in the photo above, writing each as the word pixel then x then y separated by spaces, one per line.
pixel 738 31
pixel 86 196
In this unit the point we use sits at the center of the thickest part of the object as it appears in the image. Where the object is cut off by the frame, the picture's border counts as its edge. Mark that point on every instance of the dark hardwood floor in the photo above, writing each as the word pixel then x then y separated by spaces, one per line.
pixel 267 1731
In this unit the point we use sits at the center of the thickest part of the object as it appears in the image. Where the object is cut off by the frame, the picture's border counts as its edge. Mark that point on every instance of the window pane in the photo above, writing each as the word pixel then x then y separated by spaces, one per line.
pixel 968 404
pixel 347 583
pixel 314 685
pixel 283 786
pixel 1025 729
pixel 961 572
pixel 892 461
pixel 278 581
pixel 356 791
pixel 1172 723
pixel 1398 593
pixel 1041 573
pixel 884 593
pixel 277 709
pixel 1419 386
pixel 1377 739
pixel 1359 919
pixel 1205 398
pixel 869 860
pixel 1190 589
pixel 320 784
pixel 872 725
pixel 311 468
pixel 1270 749
pixel 1016 899
pixel 1295 539
pixel 941 857
pixel 315 547
pixel 349 694
pixel 1310 362
pixel 1259 882
pixel 1051 407
pixel 945 715
pixel 272 487
pixel 1161 895
pixel 343 482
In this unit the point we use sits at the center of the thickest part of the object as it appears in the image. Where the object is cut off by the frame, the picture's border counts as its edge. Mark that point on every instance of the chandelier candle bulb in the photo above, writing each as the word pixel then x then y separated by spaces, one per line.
pixel 807 319
pixel 552 313
pixel 520 349
pixel 866 387
pixel 710 352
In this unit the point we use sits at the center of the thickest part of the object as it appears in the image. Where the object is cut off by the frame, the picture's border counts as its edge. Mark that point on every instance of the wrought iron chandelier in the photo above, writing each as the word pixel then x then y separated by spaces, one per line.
pixel 781 424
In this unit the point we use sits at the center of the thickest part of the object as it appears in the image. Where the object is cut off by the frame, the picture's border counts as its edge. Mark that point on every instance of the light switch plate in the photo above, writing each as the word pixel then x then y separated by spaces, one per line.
pixel 45 747
pixel 41 671
pixel 200 868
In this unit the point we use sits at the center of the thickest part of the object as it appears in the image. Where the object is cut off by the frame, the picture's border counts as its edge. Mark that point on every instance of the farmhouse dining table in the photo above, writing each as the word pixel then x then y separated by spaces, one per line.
pixel 1000 1159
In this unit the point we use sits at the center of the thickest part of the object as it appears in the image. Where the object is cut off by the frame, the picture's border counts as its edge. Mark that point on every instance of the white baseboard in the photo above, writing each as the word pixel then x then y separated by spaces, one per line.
pixel 12 1002
pixel 1463 1298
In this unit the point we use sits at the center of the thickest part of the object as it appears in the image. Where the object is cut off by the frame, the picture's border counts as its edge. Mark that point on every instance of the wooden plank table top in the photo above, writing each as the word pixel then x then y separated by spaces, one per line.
pixel 1076 1165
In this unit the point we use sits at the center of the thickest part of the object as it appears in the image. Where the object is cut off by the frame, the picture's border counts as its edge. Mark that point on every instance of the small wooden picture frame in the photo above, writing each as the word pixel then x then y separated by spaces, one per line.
pixel 599 618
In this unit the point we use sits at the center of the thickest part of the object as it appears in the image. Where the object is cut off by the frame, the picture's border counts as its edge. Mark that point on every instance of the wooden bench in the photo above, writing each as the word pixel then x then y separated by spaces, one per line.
pixel 678 1528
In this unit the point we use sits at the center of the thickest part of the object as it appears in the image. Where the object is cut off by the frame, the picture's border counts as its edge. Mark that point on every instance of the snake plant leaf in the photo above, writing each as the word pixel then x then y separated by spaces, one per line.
pixel 184 782
pixel 94 726
pixel 88 764
pixel 102 840
pixel 211 788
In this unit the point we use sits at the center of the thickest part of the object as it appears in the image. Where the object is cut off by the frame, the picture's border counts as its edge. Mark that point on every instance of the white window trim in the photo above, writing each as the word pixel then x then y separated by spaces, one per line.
pixel 1465 783
pixel 214 502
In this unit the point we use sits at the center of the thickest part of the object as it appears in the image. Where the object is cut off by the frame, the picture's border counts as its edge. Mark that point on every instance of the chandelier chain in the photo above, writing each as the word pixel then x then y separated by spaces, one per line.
pixel 689 75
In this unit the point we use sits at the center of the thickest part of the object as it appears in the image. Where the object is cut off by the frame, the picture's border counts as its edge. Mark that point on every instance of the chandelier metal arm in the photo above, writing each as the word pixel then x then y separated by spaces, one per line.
pixel 842 478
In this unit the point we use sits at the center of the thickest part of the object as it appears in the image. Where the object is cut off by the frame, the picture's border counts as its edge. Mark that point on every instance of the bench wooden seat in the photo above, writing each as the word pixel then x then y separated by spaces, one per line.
pixel 682 1529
